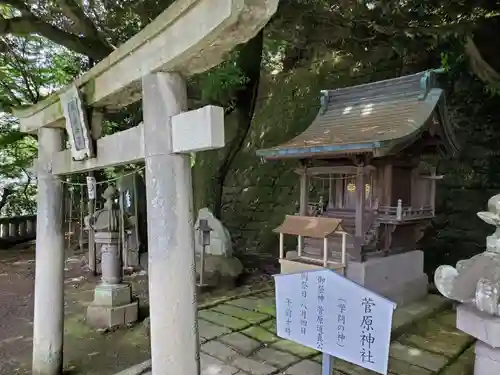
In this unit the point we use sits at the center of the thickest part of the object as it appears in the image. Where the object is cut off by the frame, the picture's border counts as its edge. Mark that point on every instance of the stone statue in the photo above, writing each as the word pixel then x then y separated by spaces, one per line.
pixel 106 219
pixel 476 280
pixel 113 304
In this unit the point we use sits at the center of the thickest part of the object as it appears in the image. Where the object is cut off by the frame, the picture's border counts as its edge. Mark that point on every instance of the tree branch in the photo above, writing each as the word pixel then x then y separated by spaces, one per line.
pixel 7 192
pixel 19 5
pixel 26 25
pixel 82 22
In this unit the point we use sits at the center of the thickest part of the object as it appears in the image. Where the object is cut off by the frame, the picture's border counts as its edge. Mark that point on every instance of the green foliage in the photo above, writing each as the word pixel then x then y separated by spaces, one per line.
pixel 219 84
pixel 30 68
pixel 308 46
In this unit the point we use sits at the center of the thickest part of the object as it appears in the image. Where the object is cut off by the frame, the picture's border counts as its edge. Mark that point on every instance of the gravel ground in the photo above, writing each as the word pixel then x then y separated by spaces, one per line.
pixel 86 351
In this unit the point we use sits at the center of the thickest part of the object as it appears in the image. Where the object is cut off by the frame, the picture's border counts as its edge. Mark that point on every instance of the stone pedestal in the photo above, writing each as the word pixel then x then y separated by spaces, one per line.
pixel 486 329
pixel 399 277
pixel 112 305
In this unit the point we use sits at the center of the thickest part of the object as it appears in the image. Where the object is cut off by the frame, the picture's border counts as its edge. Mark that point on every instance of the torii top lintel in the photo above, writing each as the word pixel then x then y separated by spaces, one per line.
pixel 189 37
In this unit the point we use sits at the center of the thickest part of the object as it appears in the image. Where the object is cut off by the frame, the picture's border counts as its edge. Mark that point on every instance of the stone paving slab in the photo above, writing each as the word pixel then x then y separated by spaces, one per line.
pixel 398 367
pixel 253 367
pixel 209 331
pixel 417 311
pixel 223 320
pixel 243 314
pixel 437 338
pixel 294 348
pixel 270 326
pixel 261 334
pixel 464 365
pixel 275 358
pixel 305 367
pixel 418 357
pixel 241 343
pixel 219 350
pixel 210 366
pixel 240 339
pixel 447 318
pixel 264 305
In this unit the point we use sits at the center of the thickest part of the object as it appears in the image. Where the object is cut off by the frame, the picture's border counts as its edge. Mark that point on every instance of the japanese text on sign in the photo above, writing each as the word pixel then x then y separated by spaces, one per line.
pixel 367 339
pixel 327 312
pixel 342 308
pixel 288 328
pixel 303 306
pixel 320 321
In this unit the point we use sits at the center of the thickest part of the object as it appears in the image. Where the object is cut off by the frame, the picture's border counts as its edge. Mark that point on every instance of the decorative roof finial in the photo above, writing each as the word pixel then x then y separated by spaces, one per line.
pixel 324 101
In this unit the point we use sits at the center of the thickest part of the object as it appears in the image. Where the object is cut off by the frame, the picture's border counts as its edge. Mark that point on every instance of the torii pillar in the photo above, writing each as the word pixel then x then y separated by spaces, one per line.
pixel 49 272
pixel 172 284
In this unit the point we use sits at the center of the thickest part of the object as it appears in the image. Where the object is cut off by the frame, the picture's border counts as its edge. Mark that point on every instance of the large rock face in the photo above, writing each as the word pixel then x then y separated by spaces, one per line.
pixel 219 270
pixel 220 239
pixel 221 267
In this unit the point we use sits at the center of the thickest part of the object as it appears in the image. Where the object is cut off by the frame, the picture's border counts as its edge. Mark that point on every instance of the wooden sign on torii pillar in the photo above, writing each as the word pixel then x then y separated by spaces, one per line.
pixel 189 37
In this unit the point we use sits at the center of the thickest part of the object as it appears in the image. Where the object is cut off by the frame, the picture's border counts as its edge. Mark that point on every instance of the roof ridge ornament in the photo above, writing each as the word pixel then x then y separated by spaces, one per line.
pixel 427 80
pixel 325 99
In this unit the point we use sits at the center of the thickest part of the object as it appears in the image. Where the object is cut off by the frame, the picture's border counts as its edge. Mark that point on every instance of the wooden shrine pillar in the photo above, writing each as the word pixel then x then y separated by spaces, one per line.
pixel 304 193
pixel 387 185
pixel 339 191
pixel 359 232
pixel 433 190
pixel 304 201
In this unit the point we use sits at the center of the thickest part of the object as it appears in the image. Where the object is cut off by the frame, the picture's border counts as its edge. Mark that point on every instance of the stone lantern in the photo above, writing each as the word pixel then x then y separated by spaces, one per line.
pixel 112 305
pixel 475 282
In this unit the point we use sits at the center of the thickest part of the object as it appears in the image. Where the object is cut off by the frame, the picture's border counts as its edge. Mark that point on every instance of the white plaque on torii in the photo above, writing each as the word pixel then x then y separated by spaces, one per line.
pixel 76 124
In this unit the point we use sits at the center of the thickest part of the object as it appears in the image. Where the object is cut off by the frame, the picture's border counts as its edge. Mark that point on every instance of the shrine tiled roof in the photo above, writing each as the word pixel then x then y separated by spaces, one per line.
pixel 372 118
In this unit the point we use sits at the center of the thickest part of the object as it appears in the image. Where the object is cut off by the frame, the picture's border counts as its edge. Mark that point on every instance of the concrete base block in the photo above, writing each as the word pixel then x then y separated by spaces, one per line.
pixel 112 306
pixel 112 295
pixel 407 292
pixel 484 327
pixel 399 277
pixel 487 360
pixel 108 317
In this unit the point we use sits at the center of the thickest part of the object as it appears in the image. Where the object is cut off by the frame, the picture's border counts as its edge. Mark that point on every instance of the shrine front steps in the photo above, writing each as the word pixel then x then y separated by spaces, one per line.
pixel 238 336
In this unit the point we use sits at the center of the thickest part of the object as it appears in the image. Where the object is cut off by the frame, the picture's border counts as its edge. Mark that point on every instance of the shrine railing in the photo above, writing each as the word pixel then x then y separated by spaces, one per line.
pixel 17 229
pixel 400 213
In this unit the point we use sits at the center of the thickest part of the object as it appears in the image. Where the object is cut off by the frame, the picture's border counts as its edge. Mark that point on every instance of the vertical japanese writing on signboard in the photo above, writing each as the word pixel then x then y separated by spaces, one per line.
pixel 341 320
pixel 367 338
pixel 304 278
pixel 288 314
pixel 320 311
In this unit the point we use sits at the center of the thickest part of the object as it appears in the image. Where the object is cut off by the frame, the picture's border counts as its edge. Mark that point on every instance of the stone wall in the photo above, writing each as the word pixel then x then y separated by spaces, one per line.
pixel 259 194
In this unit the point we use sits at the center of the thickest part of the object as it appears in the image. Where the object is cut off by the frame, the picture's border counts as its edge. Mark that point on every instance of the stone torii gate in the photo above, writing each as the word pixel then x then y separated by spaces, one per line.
pixel 189 37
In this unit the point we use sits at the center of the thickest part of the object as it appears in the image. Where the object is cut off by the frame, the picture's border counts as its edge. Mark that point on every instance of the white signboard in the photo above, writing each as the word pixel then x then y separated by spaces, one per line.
pixel 327 312
pixel 91 187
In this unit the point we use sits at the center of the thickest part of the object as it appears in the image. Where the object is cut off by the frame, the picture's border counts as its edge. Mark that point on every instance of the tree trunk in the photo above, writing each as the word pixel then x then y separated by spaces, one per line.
pixel 249 61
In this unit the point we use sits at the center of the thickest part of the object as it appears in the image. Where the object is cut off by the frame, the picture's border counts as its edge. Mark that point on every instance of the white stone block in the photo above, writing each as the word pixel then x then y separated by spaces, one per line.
pixel 487 360
pixel 480 325
pixel 399 277
pixel 198 130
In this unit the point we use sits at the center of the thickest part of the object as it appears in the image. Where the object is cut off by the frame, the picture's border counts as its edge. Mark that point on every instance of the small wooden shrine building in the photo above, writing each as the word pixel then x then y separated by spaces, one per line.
pixel 365 148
